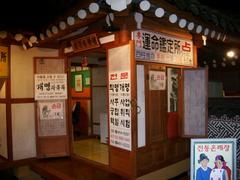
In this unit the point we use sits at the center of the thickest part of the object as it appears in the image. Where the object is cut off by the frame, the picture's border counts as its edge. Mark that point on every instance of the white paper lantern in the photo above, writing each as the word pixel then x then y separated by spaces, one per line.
pixel 82 14
pixel 70 20
pixel 3 34
pixel 223 64
pixel 54 29
pixel 173 18
pixel 139 19
pixel 93 7
pixel 190 26
pixel 49 33
pixel 213 34
pixel 206 32
pixel 42 37
pixel 18 37
pixel 199 29
pixel 159 12
pixel 145 5
pixel 182 23
pixel 118 5
pixel 33 39
pixel 62 25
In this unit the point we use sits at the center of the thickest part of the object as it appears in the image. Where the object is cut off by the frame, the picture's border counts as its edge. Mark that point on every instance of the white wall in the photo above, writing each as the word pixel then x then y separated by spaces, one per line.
pixel 22 69
pixel 3 131
pixel 23 131
pixel 23 117
pixel 2 89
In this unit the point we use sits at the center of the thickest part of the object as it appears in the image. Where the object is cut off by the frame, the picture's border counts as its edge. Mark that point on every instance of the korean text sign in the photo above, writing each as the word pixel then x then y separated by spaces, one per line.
pixel 50 86
pixel 213 159
pixel 161 48
pixel 120 109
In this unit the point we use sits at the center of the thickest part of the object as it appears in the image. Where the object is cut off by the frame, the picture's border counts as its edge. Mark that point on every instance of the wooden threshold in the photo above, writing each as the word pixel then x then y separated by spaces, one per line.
pixel 71 169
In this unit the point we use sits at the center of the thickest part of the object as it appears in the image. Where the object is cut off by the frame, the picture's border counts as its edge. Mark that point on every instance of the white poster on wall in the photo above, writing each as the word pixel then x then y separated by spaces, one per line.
pixel 157 80
pixel 51 110
pixel 52 118
pixel 120 109
pixel 50 86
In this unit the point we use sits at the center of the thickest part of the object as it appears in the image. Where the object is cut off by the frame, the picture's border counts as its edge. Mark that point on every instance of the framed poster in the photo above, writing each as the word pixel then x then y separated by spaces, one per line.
pixel 157 80
pixel 213 159
pixel 78 83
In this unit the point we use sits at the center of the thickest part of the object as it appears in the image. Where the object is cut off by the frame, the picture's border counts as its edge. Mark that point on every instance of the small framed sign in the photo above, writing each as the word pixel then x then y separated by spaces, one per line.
pixel 213 159
pixel 78 83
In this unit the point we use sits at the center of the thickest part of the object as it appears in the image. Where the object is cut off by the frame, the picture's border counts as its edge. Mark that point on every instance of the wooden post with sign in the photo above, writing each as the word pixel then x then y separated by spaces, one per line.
pixel 122 110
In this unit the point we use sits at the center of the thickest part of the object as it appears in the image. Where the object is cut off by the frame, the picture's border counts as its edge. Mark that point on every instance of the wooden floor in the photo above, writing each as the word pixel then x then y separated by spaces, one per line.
pixel 91 149
pixel 70 169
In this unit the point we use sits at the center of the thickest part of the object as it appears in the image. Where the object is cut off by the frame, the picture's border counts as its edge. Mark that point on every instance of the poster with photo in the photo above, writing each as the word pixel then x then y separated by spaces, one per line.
pixel 78 83
pixel 51 110
pixel 157 80
pixel 213 159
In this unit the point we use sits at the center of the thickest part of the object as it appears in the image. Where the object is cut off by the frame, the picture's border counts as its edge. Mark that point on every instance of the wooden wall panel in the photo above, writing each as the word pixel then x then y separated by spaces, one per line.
pixel 156 105
pixel 54 141
pixel 159 150
pixel 60 148
pixel 161 154
pixel 119 163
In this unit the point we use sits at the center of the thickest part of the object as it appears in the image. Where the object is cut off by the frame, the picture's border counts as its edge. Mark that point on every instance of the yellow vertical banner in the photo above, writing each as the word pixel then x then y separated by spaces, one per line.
pixel 4 61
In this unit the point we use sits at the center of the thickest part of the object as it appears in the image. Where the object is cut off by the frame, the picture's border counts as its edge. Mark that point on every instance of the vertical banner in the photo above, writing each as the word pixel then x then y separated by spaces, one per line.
pixel 120 109
pixel 119 91
pixel 4 61
pixel 213 159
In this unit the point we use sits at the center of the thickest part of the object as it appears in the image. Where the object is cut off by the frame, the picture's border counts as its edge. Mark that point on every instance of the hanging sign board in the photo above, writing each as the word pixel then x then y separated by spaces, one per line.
pixel 161 48
pixel 50 86
pixel 84 43
pixel 4 62
pixel 120 109
pixel 213 159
